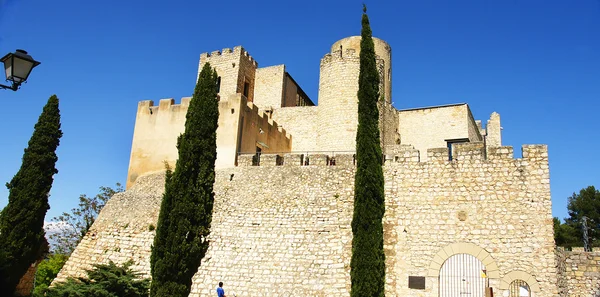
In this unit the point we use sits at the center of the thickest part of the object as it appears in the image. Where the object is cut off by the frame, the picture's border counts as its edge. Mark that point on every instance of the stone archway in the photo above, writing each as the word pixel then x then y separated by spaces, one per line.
pixel 516 275
pixel 463 248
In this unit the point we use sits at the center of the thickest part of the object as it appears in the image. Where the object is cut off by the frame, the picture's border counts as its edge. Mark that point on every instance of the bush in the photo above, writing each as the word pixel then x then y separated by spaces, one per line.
pixel 46 272
pixel 105 280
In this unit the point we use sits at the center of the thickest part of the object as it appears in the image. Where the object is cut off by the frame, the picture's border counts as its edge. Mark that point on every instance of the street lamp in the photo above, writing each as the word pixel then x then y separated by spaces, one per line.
pixel 18 66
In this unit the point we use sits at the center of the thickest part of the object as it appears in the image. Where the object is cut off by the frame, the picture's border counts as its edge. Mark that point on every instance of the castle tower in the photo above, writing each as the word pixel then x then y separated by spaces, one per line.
pixel 236 70
pixel 383 52
pixel 338 87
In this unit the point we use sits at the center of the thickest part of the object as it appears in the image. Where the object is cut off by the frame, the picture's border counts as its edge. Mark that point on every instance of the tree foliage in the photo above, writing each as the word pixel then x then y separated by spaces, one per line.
pixel 46 272
pixel 186 210
pixel 368 259
pixel 106 280
pixel 586 203
pixel 565 235
pixel 75 224
pixel 22 239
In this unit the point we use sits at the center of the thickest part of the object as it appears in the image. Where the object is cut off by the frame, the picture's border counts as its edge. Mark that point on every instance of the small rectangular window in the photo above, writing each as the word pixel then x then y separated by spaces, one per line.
pixel 246 88
pixel 218 84
pixel 450 143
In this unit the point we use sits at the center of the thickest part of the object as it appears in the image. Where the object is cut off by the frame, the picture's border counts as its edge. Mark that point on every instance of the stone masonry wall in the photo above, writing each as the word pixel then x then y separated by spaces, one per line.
pixel 233 66
pixel 300 123
pixel 493 128
pixel 430 127
pixel 388 125
pixel 277 231
pixel 268 86
pixel 285 230
pixel 338 104
pixel 501 205
pixel 383 52
pixel 157 128
pixel 579 273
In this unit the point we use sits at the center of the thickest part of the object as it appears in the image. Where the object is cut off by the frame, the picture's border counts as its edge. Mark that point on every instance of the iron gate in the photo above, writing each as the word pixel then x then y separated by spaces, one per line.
pixel 462 276
pixel 519 288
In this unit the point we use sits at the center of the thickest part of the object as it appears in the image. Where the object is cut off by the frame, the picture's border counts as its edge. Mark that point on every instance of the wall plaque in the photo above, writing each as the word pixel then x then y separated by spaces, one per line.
pixel 416 282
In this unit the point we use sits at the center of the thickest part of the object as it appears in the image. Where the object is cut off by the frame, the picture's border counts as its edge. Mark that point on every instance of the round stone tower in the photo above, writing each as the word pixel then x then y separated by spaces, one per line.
pixel 383 53
pixel 338 85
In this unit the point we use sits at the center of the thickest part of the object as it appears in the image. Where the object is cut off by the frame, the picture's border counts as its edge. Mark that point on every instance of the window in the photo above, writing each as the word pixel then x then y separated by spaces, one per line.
pixel 256 157
pixel 450 143
pixel 246 88
pixel 218 84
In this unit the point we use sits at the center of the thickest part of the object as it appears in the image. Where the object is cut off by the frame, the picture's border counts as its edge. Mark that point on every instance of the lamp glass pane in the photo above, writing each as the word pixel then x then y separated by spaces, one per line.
pixel 8 67
pixel 21 70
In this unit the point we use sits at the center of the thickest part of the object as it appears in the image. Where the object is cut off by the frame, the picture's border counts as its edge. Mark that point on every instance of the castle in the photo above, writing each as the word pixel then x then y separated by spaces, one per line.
pixel 462 214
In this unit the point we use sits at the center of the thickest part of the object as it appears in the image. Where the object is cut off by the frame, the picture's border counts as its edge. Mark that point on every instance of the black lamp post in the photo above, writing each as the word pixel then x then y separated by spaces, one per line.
pixel 18 66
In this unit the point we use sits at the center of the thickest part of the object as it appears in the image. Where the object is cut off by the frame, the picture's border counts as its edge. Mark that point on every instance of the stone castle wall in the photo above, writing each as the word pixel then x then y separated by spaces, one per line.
pixel 300 122
pixel 501 205
pixel 285 230
pixel 578 272
pixel 268 86
pixel 155 135
pixel 388 125
pixel 383 51
pixel 157 128
pixel 338 105
pixel 430 127
pixel 257 129
pixel 233 66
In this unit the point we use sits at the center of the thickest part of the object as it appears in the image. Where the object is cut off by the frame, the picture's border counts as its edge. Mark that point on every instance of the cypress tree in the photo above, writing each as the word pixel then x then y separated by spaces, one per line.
pixel 368 260
pixel 22 220
pixel 186 210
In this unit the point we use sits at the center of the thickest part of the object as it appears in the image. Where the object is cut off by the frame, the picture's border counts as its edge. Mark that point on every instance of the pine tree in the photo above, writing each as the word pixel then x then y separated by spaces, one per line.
pixel 368 260
pixel 22 220
pixel 186 209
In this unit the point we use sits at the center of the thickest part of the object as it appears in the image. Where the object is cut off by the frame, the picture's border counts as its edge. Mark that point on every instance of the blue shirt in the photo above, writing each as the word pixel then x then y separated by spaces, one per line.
pixel 220 292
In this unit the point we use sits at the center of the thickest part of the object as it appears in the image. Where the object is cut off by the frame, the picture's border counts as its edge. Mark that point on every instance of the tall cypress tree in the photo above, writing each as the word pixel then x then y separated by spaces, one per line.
pixel 22 220
pixel 368 260
pixel 186 209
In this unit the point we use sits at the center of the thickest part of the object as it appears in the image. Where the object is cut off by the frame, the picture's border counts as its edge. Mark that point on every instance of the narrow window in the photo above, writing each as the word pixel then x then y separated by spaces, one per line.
pixel 256 157
pixel 218 84
pixel 451 142
pixel 246 88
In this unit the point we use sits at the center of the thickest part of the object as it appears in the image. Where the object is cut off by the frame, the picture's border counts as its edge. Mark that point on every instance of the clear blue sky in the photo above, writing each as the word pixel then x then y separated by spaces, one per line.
pixel 536 62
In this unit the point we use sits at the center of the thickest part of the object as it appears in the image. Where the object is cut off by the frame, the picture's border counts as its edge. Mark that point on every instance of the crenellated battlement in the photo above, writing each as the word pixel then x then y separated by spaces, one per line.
pixel 341 55
pixel 266 122
pixel 228 54
pixel 167 107
pixel 147 107
pixel 464 153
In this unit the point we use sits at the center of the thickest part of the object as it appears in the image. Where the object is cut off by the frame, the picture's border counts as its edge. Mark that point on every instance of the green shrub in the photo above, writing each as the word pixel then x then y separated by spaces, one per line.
pixel 105 280
pixel 46 272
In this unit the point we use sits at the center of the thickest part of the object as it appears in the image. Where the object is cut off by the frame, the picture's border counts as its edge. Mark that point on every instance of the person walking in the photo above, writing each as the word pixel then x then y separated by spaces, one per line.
pixel 220 291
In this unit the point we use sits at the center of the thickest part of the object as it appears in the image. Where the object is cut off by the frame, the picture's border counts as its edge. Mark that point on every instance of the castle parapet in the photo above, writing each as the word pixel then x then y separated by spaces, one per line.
pixel 463 153
pixel 294 159
pixel 265 123
pixel 227 54
pixel 401 153
pixel 468 151
pixel 500 152
pixel 436 155
pixel 535 152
